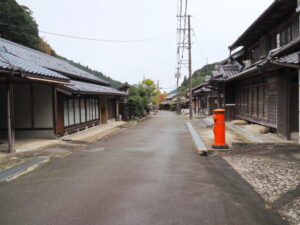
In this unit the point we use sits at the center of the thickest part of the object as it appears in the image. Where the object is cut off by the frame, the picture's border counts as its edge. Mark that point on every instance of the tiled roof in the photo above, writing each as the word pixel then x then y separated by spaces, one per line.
pixel 171 96
pixel 89 88
pixel 125 85
pixel 203 89
pixel 47 61
pixel 255 67
pixel 207 78
pixel 226 71
pixel 293 58
pixel 11 62
pixel 200 85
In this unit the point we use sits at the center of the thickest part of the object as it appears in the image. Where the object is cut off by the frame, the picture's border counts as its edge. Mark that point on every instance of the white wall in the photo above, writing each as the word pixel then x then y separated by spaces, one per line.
pixel 42 110
pixel 43 106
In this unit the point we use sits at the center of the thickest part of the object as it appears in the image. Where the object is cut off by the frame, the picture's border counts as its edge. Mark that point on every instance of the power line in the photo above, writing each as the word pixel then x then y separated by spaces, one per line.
pixel 92 39
pixel 183 44
pixel 107 40
pixel 182 18
pixel 199 45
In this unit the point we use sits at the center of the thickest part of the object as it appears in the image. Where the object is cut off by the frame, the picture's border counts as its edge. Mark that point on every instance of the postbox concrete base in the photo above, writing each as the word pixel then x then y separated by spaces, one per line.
pixel 220 146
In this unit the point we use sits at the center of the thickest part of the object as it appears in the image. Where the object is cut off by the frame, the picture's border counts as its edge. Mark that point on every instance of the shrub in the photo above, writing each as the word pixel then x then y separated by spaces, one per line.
pixel 136 106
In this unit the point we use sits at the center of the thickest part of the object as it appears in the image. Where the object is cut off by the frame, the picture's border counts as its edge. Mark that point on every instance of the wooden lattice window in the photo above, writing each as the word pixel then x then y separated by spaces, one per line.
pixel 272 109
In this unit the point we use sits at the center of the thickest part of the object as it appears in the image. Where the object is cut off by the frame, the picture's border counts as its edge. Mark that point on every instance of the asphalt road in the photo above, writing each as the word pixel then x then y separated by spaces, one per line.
pixel 144 175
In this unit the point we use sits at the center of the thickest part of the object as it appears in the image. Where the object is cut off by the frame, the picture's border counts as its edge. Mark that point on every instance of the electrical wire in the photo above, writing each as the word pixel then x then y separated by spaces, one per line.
pixel 199 46
pixel 93 39
pixel 107 40
pixel 182 27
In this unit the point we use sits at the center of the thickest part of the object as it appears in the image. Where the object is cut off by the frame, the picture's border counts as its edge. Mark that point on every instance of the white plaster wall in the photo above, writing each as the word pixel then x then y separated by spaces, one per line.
pixel 43 106
pixel 22 106
pixel 43 110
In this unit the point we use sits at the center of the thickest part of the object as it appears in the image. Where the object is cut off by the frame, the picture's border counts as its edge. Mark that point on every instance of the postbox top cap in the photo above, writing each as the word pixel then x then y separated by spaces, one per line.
pixel 219 110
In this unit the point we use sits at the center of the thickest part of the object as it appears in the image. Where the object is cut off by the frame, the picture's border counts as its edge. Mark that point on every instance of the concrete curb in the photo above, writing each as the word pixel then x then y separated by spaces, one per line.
pixel 199 144
pixel 26 167
pixel 244 133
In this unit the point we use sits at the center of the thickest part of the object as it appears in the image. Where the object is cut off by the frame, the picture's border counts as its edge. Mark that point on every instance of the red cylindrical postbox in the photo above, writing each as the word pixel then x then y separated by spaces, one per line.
pixel 219 129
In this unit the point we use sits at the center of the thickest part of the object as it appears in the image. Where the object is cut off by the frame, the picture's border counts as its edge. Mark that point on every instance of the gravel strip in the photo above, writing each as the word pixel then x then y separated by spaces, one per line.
pixel 291 212
pixel 271 178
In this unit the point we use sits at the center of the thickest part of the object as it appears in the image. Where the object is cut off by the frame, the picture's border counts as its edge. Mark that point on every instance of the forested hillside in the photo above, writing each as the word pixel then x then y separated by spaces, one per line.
pixel 113 83
pixel 198 77
pixel 18 25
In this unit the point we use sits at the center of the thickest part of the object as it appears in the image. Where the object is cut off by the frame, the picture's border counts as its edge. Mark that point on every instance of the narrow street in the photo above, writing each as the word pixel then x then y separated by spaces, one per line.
pixel 144 175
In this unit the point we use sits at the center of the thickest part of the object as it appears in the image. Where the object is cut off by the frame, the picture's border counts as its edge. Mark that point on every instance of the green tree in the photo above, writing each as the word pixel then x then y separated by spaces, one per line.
pixel 147 88
pixel 135 106
pixel 140 97
pixel 17 24
pixel 135 103
pixel 184 82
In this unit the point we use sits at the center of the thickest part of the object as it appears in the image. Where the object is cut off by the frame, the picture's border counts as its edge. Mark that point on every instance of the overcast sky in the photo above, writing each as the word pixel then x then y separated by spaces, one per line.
pixel 217 24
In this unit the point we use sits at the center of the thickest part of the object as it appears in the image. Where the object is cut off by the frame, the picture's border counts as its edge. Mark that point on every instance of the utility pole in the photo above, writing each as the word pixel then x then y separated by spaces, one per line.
pixel 177 75
pixel 157 96
pixel 298 10
pixel 182 38
pixel 190 67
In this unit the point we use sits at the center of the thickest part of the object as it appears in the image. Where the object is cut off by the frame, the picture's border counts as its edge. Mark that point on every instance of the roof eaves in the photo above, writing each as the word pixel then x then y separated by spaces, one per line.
pixel 256 22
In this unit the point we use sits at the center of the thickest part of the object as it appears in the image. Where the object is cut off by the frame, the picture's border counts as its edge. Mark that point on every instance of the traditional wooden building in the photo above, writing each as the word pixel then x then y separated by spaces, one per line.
pixel 208 95
pixel 124 87
pixel 263 78
pixel 123 107
pixel 44 97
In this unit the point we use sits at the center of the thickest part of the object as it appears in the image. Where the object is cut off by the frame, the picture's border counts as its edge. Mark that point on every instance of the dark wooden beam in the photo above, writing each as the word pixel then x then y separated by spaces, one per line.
pixel 55 113
pixel 32 105
pixel 10 117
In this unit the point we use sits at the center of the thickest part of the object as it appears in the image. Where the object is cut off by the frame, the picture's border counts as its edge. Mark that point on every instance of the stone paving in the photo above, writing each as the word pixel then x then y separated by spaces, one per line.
pixel 275 178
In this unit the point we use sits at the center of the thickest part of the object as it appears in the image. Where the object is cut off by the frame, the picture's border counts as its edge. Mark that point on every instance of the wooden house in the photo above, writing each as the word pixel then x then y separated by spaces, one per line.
pixel 123 107
pixel 45 97
pixel 207 97
pixel 263 79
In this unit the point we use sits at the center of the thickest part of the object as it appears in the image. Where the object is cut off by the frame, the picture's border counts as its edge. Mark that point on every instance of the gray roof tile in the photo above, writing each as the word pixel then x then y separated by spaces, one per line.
pixel 170 97
pixel 11 62
pixel 293 58
pixel 226 71
pixel 47 61
pixel 89 88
